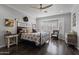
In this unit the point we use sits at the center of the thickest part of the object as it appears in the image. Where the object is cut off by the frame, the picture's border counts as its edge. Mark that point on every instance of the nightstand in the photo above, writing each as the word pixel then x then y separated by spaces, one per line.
pixel 11 39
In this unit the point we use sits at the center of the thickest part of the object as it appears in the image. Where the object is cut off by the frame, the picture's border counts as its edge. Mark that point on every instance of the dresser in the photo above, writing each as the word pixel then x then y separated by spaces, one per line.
pixel 72 39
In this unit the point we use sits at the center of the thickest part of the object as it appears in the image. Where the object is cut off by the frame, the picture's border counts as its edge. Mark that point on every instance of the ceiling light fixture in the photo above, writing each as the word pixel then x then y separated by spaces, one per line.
pixel 41 7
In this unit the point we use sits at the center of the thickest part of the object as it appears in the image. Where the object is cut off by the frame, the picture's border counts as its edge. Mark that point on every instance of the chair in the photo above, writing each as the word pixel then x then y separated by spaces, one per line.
pixel 55 34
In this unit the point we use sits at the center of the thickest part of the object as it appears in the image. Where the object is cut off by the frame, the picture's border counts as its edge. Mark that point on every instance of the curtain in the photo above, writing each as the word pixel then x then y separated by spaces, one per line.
pixel 48 26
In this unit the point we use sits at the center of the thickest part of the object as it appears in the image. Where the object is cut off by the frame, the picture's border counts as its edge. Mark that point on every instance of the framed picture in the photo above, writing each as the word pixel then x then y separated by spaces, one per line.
pixel 74 19
pixel 9 22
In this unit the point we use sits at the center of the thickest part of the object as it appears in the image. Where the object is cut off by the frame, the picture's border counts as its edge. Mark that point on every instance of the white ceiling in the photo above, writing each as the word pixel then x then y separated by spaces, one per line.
pixel 28 9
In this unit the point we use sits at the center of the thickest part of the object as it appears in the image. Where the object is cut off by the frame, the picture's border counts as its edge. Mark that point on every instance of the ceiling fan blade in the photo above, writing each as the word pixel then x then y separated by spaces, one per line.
pixel 40 7
pixel 47 6
pixel 35 7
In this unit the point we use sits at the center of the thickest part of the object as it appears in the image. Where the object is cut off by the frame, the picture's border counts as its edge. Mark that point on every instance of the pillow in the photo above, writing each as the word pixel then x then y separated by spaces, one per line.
pixel 29 29
pixel 24 30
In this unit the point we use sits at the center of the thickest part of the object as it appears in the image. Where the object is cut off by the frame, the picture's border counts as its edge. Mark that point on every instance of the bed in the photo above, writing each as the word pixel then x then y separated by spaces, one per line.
pixel 39 37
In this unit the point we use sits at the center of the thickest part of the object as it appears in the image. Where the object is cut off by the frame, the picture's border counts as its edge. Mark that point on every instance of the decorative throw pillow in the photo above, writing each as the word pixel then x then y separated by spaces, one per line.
pixel 29 29
pixel 24 30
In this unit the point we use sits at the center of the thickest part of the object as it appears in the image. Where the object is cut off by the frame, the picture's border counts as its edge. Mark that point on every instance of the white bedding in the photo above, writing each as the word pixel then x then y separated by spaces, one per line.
pixel 38 38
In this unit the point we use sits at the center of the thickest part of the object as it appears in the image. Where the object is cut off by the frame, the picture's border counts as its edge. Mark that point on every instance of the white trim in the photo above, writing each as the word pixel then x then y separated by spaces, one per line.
pixel 78 48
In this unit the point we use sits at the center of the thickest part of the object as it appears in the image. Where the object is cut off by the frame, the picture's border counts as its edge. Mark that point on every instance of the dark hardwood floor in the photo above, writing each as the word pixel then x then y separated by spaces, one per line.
pixel 55 47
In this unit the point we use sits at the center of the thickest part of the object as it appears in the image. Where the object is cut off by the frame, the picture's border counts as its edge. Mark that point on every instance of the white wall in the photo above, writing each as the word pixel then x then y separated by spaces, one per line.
pixel 76 28
pixel 7 12
pixel 65 20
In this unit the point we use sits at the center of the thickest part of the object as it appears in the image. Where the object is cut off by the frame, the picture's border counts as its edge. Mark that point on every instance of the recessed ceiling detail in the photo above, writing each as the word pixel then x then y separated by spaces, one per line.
pixel 46 11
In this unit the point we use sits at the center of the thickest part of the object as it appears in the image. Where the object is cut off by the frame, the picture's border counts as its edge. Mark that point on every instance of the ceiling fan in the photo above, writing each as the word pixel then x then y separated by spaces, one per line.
pixel 41 7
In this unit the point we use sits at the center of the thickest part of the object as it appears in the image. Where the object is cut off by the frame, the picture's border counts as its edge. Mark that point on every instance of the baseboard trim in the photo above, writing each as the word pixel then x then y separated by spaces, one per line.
pixel 78 48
